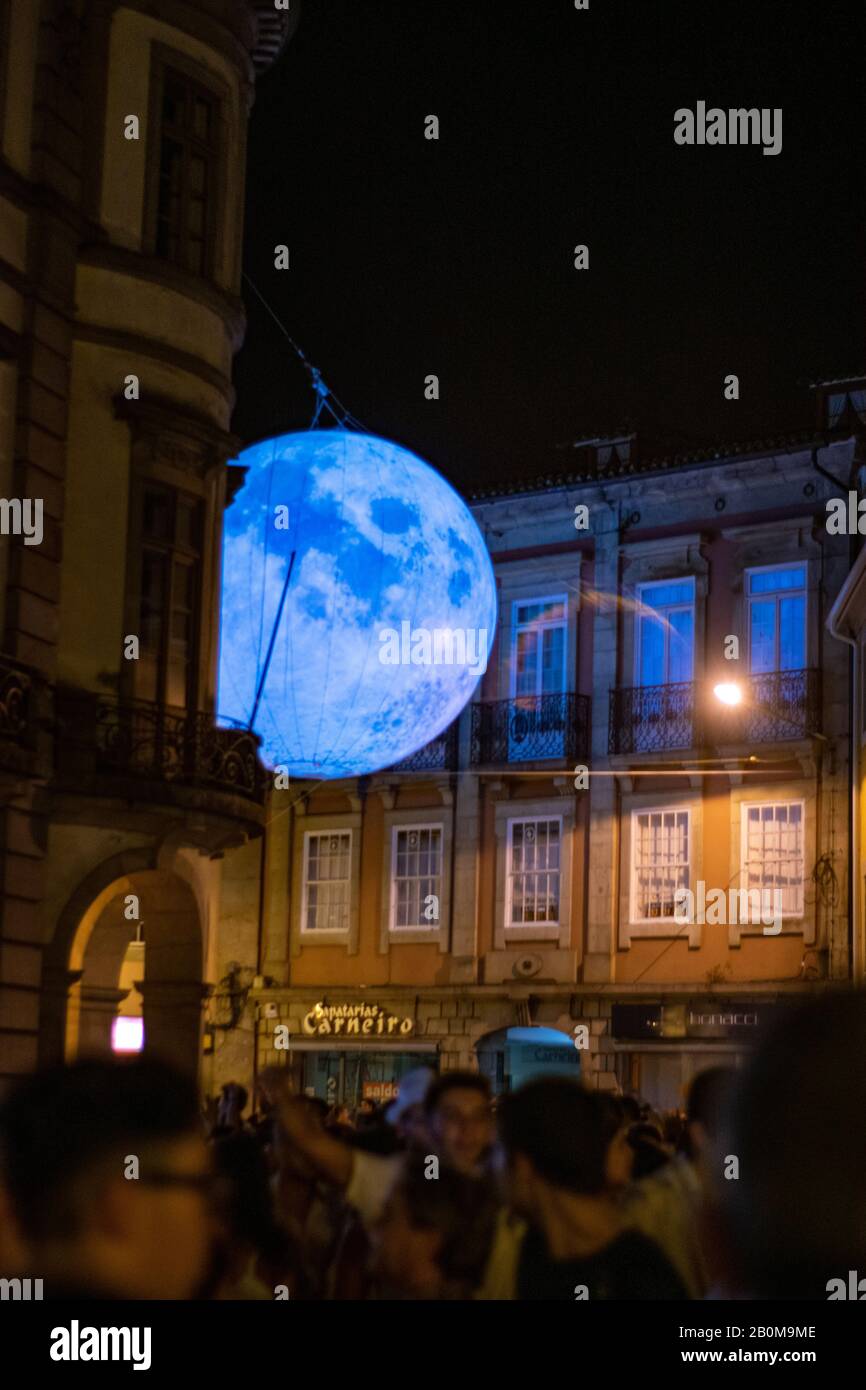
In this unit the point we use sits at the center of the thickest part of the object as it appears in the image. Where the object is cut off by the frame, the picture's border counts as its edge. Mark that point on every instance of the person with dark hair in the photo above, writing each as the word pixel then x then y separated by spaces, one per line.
pixel 101 1163
pixel 456 1126
pixel 434 1235
pixel 649 1153
pixel 556 1136
pixel 787 1164
pixel 667 1199
pixel 255 1253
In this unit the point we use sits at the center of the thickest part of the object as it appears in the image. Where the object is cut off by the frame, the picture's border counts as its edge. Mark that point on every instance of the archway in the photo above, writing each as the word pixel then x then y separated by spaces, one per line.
pixel 97 966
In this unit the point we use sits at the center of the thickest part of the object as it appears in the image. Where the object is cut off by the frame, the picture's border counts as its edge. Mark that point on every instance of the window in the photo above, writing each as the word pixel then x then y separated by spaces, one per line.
pixel 777 619
pixel 660 848
pixel 538 647
pixel 533 872
pixel 665 632
pixel 772 853
pixel 327 866
pixel 840 401
pixel 169 598
pixel 188 153
pixel 416 876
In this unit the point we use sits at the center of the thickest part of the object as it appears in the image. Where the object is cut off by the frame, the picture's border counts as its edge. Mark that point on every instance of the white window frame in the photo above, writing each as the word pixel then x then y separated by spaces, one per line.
pixel 516 605
pixel 641 589
pixel 766 569
pixel 407 828
pixel 546 926
pixel 745 807
pixel 637 811
pixel 317 932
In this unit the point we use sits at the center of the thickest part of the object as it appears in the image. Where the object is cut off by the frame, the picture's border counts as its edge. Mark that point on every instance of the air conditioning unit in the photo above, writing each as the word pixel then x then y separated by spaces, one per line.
pixel 526 966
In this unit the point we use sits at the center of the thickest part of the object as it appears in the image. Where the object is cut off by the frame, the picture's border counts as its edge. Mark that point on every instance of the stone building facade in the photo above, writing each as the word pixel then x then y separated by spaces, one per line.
pixel 597 736
pixel 122 138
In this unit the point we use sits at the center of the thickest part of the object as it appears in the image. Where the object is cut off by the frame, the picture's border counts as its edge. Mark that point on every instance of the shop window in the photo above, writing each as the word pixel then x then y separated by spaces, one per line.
pixel 416 877
pixel 533 872
pixel 327 887
pixel 660 850
pixel 773 855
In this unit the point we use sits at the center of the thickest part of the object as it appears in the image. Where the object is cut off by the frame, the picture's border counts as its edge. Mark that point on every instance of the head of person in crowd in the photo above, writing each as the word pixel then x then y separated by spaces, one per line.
pixel 459 1119
pixel 252 1247
pixel 232 1103
pixel 649 1153
pixel 619 1155
pixel 705 1107
pixel 406 1112
pixel 106 1170
pixel 794 1218
pixel 631 1109
pixel 555 1135
pixel 434 1236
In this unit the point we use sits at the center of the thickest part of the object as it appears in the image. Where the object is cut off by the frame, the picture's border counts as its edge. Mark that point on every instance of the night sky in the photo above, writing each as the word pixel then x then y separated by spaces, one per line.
pixel 455 257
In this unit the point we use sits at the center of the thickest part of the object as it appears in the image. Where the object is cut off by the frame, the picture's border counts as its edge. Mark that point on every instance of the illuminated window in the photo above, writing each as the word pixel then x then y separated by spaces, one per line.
pixel 417 873
pixel 772 853
pixel 327 889
pixel 665 632
pixel 777 618
pixel 660 847
pixel 127 1034
pixel 533 872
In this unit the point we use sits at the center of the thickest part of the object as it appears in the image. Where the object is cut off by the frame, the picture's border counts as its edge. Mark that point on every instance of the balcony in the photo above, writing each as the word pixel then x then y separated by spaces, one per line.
pixel 439 755
pixel 534 728
pixel 777 707
pixel 20 695
pixel 145 751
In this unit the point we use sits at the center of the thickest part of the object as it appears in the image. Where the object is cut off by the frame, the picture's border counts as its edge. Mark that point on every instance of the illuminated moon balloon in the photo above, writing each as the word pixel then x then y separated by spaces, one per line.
pixel 379 637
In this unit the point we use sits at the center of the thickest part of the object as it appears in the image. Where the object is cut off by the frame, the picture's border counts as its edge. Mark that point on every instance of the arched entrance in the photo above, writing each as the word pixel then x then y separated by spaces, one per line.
pixel 130 946
pixel 510 1056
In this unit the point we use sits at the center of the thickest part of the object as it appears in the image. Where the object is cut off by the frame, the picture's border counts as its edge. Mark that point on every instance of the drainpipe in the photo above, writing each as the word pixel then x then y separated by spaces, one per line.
pixel 855 941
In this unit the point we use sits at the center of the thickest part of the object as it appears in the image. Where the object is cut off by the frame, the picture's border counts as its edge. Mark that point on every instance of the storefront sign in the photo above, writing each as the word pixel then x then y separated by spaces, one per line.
pixel 379 1090
pixel 358 1020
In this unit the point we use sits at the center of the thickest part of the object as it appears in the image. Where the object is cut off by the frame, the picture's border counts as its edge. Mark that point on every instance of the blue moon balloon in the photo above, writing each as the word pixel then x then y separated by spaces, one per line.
pixel 356 580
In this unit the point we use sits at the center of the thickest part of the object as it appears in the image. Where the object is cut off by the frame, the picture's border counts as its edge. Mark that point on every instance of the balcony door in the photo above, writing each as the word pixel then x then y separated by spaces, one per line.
pixel 170 599
pixel 777 619
pixel 536 726
pixel 664 664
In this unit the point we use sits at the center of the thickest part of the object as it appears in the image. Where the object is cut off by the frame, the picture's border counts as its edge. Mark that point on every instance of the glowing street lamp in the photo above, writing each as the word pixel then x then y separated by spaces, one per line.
pixel 728 692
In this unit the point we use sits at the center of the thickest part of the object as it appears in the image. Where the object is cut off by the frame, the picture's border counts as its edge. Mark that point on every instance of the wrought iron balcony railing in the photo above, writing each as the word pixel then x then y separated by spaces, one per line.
pixel 152 743
pixel 15 703
pixel 650 718
pixel 529 728
pixel 439 755
pixel 776 706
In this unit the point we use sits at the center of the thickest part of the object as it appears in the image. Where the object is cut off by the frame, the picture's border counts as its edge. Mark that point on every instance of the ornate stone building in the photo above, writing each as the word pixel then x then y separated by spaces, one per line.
pixel 122 138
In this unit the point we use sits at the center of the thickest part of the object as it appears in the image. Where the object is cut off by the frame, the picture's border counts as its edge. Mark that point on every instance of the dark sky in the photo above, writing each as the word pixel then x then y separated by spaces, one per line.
pixel 454 257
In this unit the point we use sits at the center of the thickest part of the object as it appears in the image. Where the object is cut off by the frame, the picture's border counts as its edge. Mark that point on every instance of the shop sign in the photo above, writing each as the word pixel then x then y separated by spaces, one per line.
pixel 708 1018
pixel 379 1090
pixel 358 1020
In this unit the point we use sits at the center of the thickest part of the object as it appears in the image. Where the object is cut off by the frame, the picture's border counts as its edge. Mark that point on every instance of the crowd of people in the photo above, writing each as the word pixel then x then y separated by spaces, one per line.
pixel 115 1183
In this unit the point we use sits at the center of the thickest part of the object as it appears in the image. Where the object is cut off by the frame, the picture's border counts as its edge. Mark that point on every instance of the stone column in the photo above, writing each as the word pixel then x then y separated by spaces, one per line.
pixel 173 1020
pixel 97 1011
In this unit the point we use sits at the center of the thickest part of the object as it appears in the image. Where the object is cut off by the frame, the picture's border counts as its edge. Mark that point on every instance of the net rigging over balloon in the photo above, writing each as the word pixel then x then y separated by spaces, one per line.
pixel 358 603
